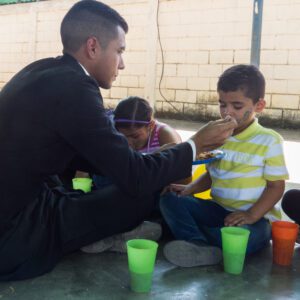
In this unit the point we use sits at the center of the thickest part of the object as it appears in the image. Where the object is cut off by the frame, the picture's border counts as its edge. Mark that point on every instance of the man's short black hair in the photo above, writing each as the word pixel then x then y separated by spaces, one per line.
pixel 88 18
pixel 246 78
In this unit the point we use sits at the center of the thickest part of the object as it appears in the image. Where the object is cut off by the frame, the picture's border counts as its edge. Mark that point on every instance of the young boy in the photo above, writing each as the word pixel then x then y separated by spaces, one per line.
pixel 245 185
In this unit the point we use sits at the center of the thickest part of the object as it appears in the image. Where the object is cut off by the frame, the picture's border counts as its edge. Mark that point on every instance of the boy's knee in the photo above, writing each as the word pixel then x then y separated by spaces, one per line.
pixel 259 238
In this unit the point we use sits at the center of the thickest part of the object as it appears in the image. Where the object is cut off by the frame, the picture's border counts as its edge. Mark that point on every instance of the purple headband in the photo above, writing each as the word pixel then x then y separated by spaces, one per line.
pixel 131 121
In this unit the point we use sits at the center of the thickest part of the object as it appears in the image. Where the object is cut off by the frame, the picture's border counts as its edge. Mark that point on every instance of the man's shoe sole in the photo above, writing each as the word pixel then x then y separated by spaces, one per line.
pixel 99 247
pixel 146 230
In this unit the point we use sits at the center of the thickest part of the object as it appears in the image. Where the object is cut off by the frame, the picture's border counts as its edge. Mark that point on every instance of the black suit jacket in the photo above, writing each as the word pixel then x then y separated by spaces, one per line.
pixel 52 112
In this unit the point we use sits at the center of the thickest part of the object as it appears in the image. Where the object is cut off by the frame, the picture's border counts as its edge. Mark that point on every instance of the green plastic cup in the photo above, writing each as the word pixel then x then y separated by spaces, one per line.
pixel 84 184
pixel 141 259
pixel 234 245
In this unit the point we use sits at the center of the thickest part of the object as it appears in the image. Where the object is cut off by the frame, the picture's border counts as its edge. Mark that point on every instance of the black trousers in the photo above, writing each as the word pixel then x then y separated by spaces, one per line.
pixel 60 222
pixel 291 205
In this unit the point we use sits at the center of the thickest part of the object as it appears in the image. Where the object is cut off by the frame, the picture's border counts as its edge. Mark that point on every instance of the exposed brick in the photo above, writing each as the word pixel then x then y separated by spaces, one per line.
pixel 220 57
pixel 286 101
pixel 277 86
pixel 166 94
pixel 293 87
pixel 200 39
pixel 140 92
pixel 176 82
pixel 197 57
pixel 118 92
pixel 287 72
pixel 129 81
pixel 198 83
pixel 170 70
pixel 294 57
pixel 187 70
pixel 186 96
pixel 172 106
pixel 274 57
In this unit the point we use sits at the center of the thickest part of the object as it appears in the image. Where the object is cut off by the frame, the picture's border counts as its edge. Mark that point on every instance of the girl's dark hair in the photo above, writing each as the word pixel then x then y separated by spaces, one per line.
pixel 132 112
pixel 246 78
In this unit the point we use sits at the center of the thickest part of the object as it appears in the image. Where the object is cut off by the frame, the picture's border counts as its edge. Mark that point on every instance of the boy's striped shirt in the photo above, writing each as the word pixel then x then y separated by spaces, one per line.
pixel 252 158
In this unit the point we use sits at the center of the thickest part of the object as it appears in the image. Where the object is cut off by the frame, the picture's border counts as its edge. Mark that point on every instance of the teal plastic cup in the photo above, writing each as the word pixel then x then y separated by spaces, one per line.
pixel 84 184
pixel 141 259
pixel 234 245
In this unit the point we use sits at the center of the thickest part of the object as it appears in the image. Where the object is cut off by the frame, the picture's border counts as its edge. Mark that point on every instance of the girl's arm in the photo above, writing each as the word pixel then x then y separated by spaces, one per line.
pixel 168 135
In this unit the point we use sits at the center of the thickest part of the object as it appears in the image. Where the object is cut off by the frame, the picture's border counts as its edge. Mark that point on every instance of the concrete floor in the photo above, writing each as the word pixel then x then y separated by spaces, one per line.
pixel 105 276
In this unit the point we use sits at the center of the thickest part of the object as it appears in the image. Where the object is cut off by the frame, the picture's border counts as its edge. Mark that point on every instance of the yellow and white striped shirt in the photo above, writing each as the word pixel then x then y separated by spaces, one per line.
pixel 252 158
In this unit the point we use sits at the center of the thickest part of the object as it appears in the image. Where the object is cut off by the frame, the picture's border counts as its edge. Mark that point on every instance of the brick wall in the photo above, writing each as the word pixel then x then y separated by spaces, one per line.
pixel 200 39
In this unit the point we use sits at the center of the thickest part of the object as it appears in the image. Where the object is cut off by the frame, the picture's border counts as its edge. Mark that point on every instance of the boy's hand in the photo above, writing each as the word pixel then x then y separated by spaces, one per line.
pixel 239 218
pixel 181 189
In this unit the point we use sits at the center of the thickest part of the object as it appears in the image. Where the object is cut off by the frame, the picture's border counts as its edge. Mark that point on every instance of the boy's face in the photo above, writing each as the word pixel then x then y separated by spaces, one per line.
pixel 241 108
pixel 137 137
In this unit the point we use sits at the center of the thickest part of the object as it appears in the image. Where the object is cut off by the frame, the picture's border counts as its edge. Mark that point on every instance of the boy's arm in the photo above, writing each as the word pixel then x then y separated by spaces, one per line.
pixel 201 184
pixel 271 195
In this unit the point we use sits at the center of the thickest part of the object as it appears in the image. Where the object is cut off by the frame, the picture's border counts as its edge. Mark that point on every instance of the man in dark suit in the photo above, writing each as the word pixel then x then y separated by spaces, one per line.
pixel 52 115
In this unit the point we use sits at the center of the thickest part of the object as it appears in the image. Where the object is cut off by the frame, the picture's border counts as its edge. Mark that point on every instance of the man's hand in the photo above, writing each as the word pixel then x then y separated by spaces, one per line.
pixel 239 218
pixel 213 134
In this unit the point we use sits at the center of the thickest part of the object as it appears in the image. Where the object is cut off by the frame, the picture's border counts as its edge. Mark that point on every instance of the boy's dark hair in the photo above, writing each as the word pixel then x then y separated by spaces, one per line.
pixel 246 78
pixel 132 112
pixel 88 18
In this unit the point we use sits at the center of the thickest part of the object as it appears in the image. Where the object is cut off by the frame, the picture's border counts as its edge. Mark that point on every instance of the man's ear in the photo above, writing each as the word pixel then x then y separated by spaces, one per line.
pixel 260 105
pixel 92 46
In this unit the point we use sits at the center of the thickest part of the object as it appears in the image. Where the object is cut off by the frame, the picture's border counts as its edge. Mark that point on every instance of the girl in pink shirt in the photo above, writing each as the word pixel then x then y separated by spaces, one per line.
pixel 133 117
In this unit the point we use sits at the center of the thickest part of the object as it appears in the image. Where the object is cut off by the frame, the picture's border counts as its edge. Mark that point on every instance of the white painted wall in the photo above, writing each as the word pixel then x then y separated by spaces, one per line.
pixel 200 39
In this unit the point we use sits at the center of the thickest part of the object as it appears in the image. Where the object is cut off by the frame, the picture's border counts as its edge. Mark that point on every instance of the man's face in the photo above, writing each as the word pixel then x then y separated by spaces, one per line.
pixel 240 107
pixel 109 60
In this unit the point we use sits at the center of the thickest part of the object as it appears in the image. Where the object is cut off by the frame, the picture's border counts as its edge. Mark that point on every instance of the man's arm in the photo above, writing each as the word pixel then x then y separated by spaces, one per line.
pixel 82 122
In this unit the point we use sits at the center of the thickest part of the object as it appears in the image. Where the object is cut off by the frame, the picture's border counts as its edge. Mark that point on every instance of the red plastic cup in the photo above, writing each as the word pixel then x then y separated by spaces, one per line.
pixel 284 236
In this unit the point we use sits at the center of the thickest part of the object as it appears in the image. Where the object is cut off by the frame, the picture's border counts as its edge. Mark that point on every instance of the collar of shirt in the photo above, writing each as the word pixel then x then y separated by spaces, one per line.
pixel 84 69
pixel 247 132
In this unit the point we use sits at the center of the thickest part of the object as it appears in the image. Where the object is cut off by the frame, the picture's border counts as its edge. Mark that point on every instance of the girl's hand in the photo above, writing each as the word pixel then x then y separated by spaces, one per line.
pixel 164 147
pixel 239 218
